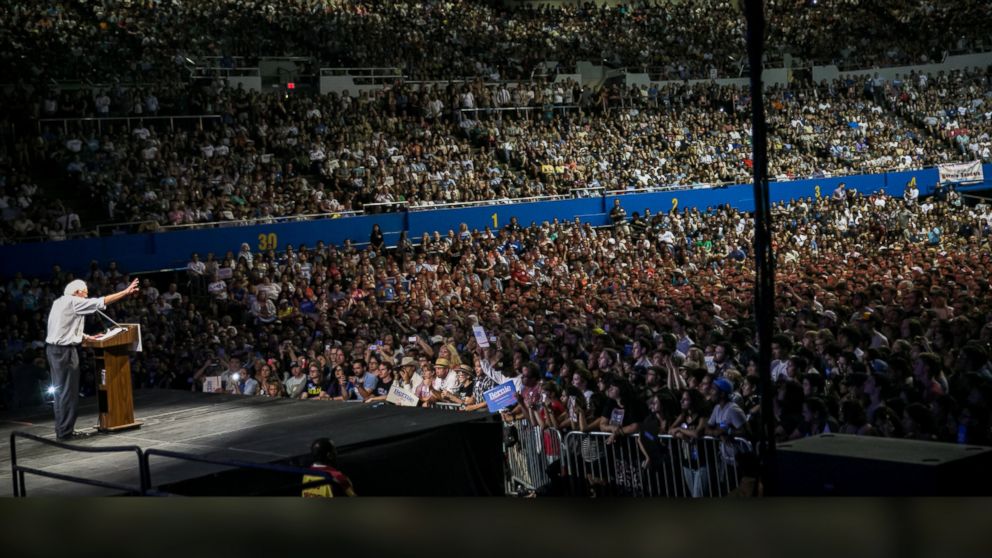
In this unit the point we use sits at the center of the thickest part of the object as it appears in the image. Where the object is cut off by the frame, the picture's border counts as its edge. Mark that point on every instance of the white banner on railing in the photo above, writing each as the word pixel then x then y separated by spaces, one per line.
pixel 961 172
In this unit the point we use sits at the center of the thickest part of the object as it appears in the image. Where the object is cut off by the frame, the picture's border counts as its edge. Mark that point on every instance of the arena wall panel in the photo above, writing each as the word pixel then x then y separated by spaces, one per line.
pixel 168 250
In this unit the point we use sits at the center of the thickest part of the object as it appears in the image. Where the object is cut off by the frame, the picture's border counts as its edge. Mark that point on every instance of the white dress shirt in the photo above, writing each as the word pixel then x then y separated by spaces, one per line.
pixel 66 320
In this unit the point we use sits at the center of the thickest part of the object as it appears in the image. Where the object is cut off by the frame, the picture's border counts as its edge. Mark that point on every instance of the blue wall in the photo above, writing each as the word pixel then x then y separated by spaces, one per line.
pixel 154 251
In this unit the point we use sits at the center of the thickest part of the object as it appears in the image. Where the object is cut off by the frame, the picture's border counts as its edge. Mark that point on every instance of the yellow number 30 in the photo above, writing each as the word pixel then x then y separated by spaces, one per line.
pixel 267 241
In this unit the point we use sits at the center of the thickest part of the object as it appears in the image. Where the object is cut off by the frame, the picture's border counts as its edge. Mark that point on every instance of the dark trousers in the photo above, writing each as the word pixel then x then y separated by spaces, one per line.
pixel 63 361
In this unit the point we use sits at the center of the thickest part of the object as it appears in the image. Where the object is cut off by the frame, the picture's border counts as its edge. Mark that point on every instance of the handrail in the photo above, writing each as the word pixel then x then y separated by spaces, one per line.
pixel 499 201
pixel 375 205
pixel 331 72
pixel 262 220
pixel 100 227
pixel 112 118
pixel 100 120
pixel 665 188
pixel 286 469
pixel 18 471
pixel 210 71
pixel 523 108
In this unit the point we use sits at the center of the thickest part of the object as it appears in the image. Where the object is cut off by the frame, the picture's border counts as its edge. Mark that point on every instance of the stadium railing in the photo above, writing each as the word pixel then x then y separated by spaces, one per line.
pixel 128 120
pixel 499 201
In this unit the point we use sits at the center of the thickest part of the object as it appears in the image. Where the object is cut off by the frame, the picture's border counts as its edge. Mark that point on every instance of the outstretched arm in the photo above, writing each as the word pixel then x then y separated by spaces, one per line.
pixel 130 290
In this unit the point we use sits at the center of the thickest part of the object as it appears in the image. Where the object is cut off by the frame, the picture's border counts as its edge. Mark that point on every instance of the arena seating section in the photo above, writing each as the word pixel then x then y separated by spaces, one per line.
pixel 884 302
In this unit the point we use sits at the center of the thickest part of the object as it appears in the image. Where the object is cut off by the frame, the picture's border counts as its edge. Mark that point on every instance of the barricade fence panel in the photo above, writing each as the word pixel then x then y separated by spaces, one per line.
pixel 547 462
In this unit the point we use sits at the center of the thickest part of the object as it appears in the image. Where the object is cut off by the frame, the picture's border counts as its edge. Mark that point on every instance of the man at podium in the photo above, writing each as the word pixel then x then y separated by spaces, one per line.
pixel 65 334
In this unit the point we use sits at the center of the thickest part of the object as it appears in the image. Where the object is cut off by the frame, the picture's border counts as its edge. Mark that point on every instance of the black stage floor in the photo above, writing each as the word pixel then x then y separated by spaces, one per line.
pixel 373 440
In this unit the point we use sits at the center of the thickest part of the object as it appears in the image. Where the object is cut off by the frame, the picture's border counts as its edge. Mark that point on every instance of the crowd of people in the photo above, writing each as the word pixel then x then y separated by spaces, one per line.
pixel 884 322
pixel 145 41
pixel 266 157
pixel 263 156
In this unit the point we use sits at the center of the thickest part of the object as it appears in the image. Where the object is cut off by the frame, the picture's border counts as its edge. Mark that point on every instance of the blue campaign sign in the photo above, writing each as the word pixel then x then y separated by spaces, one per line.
pixel 501 397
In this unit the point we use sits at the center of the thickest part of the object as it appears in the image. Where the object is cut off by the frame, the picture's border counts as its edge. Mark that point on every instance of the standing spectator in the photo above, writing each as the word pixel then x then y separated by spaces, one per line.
pixel 376 239
pixel 618 215
pixel 196 270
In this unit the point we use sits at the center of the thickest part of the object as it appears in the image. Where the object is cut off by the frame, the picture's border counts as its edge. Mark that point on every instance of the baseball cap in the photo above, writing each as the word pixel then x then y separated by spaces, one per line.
pixel 723 385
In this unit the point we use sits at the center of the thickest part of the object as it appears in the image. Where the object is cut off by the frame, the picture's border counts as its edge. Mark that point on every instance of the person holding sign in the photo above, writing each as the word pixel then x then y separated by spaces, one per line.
pixel 481 385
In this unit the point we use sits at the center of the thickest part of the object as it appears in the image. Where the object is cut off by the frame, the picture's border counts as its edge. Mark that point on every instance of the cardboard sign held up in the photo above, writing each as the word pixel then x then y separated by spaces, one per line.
pixel 480 336
pixel 402 397
pixel 501 397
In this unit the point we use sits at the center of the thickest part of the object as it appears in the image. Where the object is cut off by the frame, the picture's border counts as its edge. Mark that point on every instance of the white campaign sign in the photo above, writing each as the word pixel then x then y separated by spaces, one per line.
pixel 480 336
pixel 402 397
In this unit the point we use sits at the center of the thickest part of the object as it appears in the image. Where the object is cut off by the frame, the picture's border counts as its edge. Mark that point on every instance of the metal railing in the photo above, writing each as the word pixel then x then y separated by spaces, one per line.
pixel 533 460
pixel 696 468
pixel 18 471
pixel 220 71
pixel 101 120
pixel 590 192
pixel 261 220
pixel 526 108
pixel 129 226
pixel 365 76
pixel 144 487
pixel 665 188
pixel 202 61
pixel 101 230
pixel 383 207
pixel 499 201
pixel 268 467
pixel 362 72
pixel 540 460
pixel 444 406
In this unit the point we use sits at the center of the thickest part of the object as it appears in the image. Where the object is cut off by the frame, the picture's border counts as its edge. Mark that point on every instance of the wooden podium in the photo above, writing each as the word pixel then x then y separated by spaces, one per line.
pixel 114 391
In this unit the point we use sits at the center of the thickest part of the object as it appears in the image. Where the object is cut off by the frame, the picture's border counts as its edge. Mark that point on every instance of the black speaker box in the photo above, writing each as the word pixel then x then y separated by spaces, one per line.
pixel 842 465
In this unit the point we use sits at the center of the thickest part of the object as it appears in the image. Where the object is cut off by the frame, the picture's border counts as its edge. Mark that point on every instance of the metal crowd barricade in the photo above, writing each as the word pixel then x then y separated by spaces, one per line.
pixel 448 406
pixel 533 458
pixel 676 468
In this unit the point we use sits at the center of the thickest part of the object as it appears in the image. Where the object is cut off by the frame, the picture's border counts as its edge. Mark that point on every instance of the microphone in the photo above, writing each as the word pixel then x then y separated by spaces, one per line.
pixel 109 319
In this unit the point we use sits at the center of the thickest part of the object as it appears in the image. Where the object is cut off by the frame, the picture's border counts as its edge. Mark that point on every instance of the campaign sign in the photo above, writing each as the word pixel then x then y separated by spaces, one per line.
pixel 480 336
pixel 402 397
pixel 501 397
